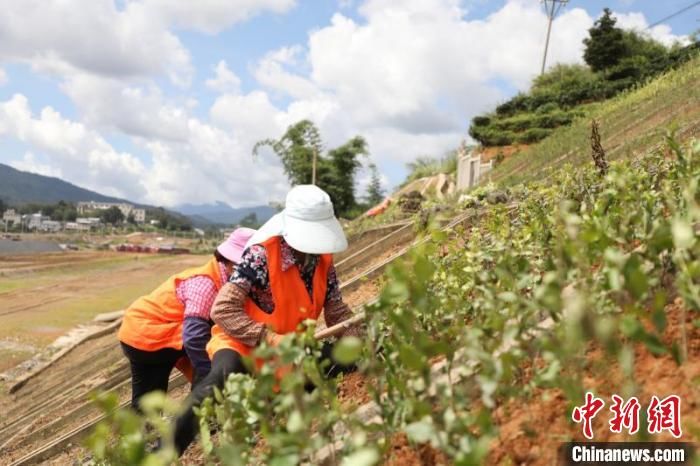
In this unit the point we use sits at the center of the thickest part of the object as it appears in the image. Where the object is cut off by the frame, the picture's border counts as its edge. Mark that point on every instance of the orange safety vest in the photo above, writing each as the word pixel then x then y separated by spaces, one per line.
pixel 292 302
pixel 155 321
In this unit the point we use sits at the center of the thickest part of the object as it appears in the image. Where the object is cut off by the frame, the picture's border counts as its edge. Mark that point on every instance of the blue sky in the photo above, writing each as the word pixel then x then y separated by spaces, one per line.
pixel 160 101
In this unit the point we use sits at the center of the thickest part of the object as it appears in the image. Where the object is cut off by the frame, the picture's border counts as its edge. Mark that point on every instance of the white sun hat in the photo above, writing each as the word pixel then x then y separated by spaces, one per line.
pixel 307 223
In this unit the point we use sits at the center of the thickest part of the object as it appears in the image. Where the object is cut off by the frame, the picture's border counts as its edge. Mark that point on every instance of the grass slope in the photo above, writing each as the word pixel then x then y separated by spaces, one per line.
pixel 633 121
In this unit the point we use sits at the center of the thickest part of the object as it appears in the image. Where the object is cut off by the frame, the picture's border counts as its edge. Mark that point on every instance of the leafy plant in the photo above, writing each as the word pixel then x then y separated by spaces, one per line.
pixel 125 438
pixel 576 261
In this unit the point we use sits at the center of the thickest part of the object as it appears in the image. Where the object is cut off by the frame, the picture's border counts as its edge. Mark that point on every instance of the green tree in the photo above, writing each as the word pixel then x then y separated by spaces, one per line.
pixel 560 78
pixel 645 46
pixel 338 178
pixel 335 171
pixel 606 44
pixel 112 215
pixel 296 150
pixel 375 193
pixel 62 211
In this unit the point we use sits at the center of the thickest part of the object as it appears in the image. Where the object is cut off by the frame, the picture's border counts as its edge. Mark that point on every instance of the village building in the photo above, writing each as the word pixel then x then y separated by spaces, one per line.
pixel 50 226
pixel 75 226
pixel 10 217
pixel 138 214
pixel 34 221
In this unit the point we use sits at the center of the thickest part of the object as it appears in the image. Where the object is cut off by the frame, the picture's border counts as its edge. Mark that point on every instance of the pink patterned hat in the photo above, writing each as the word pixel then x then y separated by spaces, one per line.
pixel 232 249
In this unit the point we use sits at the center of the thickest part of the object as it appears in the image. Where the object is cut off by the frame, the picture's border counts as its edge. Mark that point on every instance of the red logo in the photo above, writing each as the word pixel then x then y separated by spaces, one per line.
pixel 665 415
pixel 625 415
pixel 661 415
pixel 587 412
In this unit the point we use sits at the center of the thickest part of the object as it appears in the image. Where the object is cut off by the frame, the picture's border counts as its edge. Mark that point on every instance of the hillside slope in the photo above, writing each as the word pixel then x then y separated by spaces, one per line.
pixel 19 187
pixel 633 121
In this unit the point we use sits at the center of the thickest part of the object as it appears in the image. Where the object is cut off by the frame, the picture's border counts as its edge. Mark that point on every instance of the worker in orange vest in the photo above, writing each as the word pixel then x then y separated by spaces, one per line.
pixel 171 326
pixel 285 276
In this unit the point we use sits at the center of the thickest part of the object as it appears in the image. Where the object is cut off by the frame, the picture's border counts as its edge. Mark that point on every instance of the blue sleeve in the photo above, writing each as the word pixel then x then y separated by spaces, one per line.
pixel 196 333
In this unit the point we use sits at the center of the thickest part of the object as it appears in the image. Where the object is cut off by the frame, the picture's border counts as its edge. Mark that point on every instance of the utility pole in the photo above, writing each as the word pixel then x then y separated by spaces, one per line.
pixel 551 8
pixel 313 168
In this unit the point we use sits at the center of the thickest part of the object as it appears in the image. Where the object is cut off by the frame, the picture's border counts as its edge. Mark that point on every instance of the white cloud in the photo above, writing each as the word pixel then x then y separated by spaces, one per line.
pixel 416 59
pixel 204 165
pixel 93 37
pixel 30 163
pixel 224 79
pixel 80 154
pixel 661 32
pixel 271 72
pixel 3 77
pixel 212 165
pixel 100 38
pixel 249 117
pixel 136 110
pixel 212 16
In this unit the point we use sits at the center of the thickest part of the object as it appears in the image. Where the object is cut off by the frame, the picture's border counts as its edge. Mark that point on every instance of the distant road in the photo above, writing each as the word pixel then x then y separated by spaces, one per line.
pixel 8 246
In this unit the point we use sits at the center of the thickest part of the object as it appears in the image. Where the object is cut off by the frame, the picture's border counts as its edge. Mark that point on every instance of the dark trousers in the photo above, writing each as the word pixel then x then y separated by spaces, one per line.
pixel 150 370
pixel 227 362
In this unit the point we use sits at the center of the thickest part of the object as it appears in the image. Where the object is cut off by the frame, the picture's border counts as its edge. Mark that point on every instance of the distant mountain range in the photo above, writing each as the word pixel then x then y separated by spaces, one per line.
pixel 222 213
pixel 18 187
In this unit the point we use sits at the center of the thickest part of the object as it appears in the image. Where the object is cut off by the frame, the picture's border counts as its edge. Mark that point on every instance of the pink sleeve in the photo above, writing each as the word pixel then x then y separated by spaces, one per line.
pixel 197 294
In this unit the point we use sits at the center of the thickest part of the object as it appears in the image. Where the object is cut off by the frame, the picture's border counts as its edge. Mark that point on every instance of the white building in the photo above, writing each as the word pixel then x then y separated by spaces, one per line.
pixel 88 222
pixel 34 221
pixel 75 226
pixel 10 217
pixel 126 209
pixel 139 215
pixel 50 226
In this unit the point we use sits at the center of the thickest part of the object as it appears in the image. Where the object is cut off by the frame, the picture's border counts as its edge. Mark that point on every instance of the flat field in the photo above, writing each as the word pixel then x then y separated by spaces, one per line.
pixel 44 295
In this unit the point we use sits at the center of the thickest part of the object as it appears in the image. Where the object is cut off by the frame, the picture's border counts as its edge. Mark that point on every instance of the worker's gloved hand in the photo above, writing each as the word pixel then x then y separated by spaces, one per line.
pixel 272 338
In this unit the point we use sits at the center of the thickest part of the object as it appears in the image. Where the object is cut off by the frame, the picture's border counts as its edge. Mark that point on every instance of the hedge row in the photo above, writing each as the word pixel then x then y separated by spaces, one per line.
pixel 489 136
pixel 526 121
pixel 524 129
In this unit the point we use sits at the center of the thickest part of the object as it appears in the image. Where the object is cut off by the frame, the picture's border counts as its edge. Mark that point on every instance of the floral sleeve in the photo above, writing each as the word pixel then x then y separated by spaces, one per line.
pixel 251 272
pixel 333 294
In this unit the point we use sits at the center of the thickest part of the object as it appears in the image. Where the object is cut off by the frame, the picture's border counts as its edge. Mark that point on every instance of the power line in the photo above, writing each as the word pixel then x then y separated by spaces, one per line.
pixel 681 11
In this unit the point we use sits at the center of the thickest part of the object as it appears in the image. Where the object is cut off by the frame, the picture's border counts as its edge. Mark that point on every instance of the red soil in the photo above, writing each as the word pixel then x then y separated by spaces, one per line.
pixel 402 453
pixel 531 430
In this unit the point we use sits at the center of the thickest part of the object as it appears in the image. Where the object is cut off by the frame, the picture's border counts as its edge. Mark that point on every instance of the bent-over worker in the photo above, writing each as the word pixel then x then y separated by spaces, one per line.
pixel 171 326
pixel 285 277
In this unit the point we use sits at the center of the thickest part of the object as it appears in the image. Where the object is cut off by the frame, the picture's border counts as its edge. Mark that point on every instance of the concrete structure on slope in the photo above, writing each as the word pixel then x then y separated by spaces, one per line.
pixel 470 169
